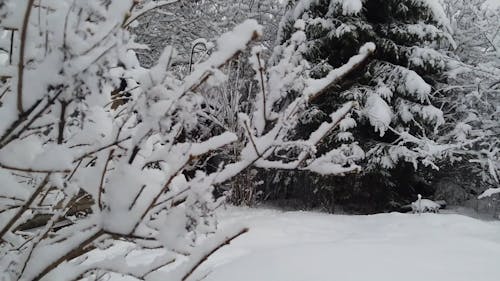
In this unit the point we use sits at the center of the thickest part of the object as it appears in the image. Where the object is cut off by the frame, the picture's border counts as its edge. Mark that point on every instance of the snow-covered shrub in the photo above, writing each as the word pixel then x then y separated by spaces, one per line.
pixel 474 108
pixel 65 139
pixel 61 142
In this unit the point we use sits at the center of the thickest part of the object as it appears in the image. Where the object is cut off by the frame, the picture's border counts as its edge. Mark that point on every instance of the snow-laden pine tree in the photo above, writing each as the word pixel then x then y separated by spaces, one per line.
pixel 397 121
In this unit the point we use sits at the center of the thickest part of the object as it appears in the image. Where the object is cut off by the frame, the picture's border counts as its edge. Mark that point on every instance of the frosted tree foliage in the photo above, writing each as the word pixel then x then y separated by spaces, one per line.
pixel 395 99
pixel 474 109
pixel 84 123
pixel 401 129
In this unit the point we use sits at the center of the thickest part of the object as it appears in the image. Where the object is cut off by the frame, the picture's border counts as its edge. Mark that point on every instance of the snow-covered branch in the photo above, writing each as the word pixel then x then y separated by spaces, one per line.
pixel 127 160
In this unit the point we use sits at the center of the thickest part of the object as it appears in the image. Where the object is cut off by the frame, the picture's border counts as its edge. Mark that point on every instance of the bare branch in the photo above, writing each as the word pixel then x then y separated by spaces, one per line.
pixel 33 170
pixel 206 256
pixel 130 18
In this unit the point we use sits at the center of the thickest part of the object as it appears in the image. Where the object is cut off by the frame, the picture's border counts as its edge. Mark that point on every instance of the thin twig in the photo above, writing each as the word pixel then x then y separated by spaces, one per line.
pixel 261 72
pixel 74 170
pixel 18 122
pixel 6 139
pixel 137 197
pixel 131 18
pixel 32 170
pixel 25 207
pixel 73 253
pixel 251 139
pixel 171 197
pixel 129 13
pixel 101 149
pixel 4 92
pixel 164 189
pixel 22 49
pixel 158 267
pixel 47 228
pixel 205 257
pixel 62 121
pixel 103 175
pixel 11 49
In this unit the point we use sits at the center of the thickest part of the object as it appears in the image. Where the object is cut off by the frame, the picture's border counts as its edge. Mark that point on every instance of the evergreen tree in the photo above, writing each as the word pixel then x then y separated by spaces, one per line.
pixel 397 122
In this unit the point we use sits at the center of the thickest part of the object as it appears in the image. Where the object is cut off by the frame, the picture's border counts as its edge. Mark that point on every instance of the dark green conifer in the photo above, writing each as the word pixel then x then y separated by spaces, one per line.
pixel 396 124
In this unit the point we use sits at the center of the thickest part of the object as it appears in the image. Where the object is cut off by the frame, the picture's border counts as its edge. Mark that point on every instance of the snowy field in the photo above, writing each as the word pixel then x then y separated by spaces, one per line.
pixel 308 246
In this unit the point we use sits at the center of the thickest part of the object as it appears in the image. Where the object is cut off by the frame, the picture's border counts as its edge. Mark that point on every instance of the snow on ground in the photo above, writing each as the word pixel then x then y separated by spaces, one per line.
pixel 311 246
pixel 308 246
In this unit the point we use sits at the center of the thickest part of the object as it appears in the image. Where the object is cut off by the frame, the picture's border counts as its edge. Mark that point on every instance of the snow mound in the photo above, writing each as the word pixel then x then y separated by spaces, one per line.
pixel 425 206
